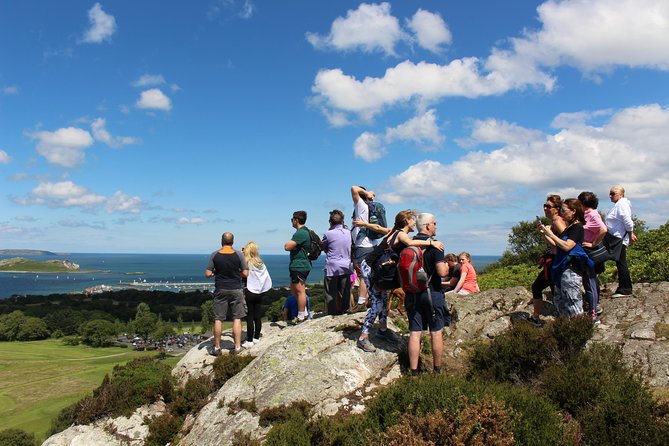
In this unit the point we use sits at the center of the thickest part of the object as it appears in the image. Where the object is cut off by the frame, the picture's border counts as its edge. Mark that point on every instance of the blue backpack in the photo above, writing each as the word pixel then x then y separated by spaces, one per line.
pixel 377 215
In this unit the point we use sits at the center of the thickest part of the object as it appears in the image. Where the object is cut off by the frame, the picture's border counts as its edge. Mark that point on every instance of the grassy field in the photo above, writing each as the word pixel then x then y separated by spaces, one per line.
pixel 39 378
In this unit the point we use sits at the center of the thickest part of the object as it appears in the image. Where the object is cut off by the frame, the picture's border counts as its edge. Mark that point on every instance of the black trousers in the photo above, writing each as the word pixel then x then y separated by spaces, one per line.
pixel 337 293
pixel 624 279
pixel 254 314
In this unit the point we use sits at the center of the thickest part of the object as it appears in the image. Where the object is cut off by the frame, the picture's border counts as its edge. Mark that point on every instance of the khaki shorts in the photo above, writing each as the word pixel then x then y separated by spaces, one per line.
pixel 229 298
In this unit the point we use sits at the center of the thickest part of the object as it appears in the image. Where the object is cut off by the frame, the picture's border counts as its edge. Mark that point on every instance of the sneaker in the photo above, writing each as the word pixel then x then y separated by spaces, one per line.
pixel 387 335
pixel 256 340
pixel 366 345
pixel 216 351
pixel 535 320
pixel 596 322
pixel 247 344
pixel 622 295
pixel 599 310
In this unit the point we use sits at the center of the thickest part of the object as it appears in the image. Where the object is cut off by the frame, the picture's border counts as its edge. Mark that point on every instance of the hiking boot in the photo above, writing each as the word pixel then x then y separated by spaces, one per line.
pixel 366 345
pixel 387 335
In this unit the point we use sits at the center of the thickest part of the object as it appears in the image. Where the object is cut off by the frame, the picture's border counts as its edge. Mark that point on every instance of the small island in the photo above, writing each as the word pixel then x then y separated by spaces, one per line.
pixel 25 252
pixel 22 265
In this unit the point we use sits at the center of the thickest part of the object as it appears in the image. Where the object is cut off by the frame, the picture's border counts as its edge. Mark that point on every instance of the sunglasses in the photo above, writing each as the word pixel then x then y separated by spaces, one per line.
pixel 547 206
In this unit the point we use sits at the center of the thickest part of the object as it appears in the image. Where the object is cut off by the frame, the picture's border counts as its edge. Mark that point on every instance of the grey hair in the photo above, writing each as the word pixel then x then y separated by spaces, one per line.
pixel 423 219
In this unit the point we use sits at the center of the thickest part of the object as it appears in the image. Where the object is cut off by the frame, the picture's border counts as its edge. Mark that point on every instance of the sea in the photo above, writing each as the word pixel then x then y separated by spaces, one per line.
pixel 166 272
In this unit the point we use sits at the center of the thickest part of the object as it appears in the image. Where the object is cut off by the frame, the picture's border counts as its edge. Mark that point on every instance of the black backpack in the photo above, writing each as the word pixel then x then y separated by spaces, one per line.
pixel 314 250
pixel 384 261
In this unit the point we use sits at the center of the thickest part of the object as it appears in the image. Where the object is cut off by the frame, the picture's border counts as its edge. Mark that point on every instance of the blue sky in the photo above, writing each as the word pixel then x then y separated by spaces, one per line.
pixel 154 126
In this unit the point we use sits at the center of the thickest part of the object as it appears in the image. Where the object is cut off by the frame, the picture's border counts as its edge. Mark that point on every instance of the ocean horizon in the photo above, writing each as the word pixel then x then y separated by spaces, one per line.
pixel 166 272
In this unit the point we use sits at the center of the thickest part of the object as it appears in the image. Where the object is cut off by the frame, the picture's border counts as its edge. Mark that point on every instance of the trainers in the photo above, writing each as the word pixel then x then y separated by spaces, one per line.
pixel 622 295
pixel 596 322
pixel 387 335
pixel 256 340
pixel 599 310
pixel 366 345
pixel 247 344
pixel 216 351
pixel 535 320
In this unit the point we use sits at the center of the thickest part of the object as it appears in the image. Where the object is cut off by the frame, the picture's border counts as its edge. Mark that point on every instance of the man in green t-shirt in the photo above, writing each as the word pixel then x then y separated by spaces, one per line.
pixel 300 265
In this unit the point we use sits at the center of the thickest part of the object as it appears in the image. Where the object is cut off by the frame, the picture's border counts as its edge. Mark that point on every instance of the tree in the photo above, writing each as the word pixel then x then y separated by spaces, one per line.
pixel 207 315
pixel 145 321
pixel 163 330
pixel 10 325
pixel 17 437
pixel 97 333
pixel 180 323
pixel 33 329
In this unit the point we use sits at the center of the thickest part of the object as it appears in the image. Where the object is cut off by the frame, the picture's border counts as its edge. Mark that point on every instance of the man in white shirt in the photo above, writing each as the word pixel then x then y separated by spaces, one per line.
pixel 620 224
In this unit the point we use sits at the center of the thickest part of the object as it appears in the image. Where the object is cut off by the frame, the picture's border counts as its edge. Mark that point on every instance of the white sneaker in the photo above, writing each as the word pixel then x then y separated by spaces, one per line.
pixel 255 341
pixel 247 344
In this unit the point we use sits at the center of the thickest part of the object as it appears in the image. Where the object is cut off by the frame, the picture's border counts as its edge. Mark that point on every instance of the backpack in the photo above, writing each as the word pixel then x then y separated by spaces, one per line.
pixel 384 266
pixel 314 250
pixel 377 215
pixel 412 275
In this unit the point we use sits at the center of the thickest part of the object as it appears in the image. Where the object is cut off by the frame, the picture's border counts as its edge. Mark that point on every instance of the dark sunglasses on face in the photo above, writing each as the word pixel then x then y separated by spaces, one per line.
pixel 548 206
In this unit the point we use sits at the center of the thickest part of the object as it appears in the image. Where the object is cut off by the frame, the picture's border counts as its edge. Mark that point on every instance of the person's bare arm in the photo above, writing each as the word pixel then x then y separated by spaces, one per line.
pixel 373 226
pixel 244 273
pixel 208 273
pixel 404 238
pixel 290 245
pixel 357 192
pixel 461 282
pixel 442 269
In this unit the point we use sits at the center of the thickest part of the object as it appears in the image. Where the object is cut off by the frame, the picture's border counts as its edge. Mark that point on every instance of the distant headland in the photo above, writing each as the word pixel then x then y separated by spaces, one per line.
pixel 21 265
pixel 25 252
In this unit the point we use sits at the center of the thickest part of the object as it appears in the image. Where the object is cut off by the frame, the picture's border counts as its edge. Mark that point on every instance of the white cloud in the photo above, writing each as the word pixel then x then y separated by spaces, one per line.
pixel 407 81
pixel 369 28
pixel 422 130
pixel 10 90
pixel 368 146
pixel 238 8
pixel 64 147
pixel 629 148
pixel 66 194
pixel 103 25
pixel 191 221
pixel 149 80
pixel 491 130
pixel 4 157
pixel 27 218
pixel 154 99
pixel 430 30
pixel 101 134
pixel 71 223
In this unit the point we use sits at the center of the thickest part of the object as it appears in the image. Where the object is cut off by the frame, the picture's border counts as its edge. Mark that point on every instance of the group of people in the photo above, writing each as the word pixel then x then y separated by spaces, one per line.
pixel 575 229
pixel 574 238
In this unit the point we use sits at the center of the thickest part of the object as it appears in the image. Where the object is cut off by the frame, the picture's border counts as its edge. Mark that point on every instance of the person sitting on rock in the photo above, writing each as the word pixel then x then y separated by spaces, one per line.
pixel 289 309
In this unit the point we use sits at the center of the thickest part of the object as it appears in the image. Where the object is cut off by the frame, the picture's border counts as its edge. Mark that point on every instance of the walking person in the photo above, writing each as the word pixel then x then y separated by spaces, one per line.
pixel 228 267
pixel 620 224
pixel 258 283
pixel 300 265
pixel 336 243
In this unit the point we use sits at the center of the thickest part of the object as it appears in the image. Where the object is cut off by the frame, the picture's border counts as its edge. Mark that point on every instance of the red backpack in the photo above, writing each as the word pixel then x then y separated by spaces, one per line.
pixel 413 278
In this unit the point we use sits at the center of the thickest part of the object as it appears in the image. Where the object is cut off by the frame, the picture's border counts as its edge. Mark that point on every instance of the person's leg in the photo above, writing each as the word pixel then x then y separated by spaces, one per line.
pixel 237 333
pixel 330 297
pixel 538 286
pixel 257 315
pixel 383 313
pixel 218 329
pixel 344 289
pixel 374 310
pixel 365 286
pixel 414 350
pixel 624 279
pixel 250 306
pixel 591 296
pixel 437 348
pixel 572 299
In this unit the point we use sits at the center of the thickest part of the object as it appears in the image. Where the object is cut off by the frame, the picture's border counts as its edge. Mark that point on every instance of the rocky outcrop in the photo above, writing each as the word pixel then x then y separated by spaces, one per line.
pixel 318 362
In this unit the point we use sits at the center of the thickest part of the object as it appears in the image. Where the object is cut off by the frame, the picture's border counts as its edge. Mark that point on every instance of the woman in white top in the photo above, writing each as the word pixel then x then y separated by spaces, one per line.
pixel 257 285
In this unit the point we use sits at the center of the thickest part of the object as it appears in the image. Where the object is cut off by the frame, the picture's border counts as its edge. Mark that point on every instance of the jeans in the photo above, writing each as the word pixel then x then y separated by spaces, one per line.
pixel 568 299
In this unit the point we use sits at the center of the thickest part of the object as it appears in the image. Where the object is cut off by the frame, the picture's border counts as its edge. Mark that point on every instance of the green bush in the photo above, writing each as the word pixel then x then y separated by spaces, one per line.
pixel 227 366
pixel 71 340
pixel 612 403
pixel 507 276
pixel 16 437
pixel 63 420
pixel 141 381
pixel 521 353
pixel 193 396
pixel 163 429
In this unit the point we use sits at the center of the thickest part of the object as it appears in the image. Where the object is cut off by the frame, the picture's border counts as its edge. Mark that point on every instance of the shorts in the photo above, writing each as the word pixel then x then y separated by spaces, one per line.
pixel 423 316
pixel 359 254
pixel 229 298
pixel 298 276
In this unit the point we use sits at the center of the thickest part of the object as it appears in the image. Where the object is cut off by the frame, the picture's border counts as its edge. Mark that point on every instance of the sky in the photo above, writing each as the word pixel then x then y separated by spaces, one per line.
pixel 154 126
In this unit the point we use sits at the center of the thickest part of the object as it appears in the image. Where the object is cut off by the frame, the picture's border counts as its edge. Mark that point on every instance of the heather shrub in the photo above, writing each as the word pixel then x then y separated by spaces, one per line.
pixel 16 437
pixel 192 397
pixel 63 420
pixel 141 381
pixel 522 352
pixel 280 414
pixel 611 402
pixel 227 366
pixel 163 429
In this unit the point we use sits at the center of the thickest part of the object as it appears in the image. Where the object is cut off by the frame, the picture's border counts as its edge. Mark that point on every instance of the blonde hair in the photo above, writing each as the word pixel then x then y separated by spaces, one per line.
pixel 252 255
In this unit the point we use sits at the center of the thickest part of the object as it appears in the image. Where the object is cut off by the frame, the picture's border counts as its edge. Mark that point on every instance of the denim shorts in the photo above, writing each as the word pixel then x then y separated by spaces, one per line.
pixel 422 315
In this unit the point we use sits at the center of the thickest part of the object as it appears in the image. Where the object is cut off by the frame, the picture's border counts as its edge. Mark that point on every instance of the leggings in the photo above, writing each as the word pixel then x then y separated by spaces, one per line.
pixel 253 315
